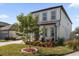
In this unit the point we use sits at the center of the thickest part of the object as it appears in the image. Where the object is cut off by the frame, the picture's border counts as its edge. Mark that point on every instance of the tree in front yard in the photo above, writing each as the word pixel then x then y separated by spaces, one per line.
pixel 27 26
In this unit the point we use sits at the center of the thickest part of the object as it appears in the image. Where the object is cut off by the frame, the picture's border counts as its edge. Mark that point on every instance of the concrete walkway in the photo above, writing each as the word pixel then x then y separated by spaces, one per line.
pixel 11 42
pixel 73 54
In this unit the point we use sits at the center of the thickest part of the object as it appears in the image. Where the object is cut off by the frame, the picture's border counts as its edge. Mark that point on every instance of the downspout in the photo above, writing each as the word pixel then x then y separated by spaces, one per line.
pixel 56 36
pixel 55 33
pixel 55 30
pixel 59 21
pixel 60 16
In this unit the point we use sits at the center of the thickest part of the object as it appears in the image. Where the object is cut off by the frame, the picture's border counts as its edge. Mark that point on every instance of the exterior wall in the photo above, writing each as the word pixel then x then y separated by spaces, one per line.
pixel 48 14
pixel 12 34
pixel 4 34
pixel 57 10
pixel 65 27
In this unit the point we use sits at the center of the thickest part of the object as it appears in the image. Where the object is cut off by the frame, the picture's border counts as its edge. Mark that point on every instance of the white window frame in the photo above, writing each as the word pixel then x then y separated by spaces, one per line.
pixel 53 15
pixel 44 16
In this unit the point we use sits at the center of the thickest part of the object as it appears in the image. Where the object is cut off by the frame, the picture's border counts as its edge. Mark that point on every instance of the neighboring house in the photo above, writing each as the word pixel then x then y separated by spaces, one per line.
pixel 2 24
pixel 54 22
pixel 7 31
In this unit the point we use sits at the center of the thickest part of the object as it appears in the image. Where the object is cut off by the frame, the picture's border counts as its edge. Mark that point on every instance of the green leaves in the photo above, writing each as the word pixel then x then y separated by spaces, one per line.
pixel 27 24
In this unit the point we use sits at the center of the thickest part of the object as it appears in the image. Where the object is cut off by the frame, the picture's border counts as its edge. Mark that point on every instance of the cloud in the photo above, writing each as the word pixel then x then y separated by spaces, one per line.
pixel 74 5
pixel 77 18
pixel 4 16
pixel 75 22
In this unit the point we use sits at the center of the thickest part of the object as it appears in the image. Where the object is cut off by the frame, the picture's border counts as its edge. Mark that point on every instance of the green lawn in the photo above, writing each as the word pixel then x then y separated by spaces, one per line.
pixel 15 50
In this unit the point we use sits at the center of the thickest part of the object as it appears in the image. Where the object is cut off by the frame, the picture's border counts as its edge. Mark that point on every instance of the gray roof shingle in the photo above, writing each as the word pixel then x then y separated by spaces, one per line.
pixel 6 27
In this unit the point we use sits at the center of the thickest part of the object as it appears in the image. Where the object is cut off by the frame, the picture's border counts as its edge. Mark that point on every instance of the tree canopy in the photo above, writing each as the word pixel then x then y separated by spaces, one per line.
pixel 27 24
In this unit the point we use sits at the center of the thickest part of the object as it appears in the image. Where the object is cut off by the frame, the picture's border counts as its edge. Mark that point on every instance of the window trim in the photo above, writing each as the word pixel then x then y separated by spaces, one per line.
pixel 44 16
pixel 53 15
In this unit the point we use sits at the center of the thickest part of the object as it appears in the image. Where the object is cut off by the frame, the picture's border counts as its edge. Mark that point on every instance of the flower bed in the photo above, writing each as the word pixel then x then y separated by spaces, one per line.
pixel 29 50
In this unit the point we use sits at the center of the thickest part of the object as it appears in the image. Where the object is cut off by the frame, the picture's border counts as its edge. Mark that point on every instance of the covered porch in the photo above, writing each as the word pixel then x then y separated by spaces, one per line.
pixel 48 32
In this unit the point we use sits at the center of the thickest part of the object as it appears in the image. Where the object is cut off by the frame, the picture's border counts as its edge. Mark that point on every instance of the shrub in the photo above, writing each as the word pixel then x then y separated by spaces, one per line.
pixel 13 38
pixel 27 42
pixel 74 44
pixel 19 34
pixel 50 44
pixel 60 42
pixel 43 39
pixel 36 43
pixel 44 44
pixel 7 38
pixel 39 43
pixel 10 38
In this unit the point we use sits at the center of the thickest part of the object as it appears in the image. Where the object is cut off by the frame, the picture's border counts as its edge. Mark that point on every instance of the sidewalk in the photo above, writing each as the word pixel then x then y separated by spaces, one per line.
pixel 73 54
pixel 11 42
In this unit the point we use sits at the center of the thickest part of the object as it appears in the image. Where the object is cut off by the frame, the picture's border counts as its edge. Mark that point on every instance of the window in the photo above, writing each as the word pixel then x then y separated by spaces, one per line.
pixel 53 15
pixel 44 16
pixel 52 31
pixel 45 31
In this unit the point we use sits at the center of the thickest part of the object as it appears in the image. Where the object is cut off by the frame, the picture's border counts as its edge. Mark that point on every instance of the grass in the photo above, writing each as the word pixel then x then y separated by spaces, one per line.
pixel 2 40
pixel 57 51
pixel 15 50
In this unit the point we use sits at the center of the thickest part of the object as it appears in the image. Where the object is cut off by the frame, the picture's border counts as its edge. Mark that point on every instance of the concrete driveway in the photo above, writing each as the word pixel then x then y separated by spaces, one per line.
pixel 11 42
pixel 73 54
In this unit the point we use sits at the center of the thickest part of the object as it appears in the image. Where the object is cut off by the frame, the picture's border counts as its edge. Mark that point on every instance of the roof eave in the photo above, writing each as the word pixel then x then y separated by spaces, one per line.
pixel 61 6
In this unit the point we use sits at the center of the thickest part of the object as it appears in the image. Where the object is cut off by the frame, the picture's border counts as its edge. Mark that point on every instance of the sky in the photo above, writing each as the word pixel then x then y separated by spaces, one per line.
pixel 9 11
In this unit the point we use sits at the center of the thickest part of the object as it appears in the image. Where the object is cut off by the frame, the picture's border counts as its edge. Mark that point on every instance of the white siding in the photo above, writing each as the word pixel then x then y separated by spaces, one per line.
pixel 58 14
pixel 65 26
pixel 57 10
pixel 5 34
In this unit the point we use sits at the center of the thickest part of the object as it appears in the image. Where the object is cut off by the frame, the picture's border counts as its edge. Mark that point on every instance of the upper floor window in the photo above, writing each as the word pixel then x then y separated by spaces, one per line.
pixel 44 16
pixel 53 15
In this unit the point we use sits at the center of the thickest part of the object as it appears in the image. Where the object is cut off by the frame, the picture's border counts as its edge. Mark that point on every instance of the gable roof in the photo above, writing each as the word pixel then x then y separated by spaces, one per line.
pixel 46 9
pixel 6 27
pixel 54 8
pixel 3 24
pixel 11 27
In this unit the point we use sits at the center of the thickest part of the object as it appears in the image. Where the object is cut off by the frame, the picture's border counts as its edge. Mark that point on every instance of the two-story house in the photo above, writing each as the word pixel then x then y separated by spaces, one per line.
pixel 54 22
